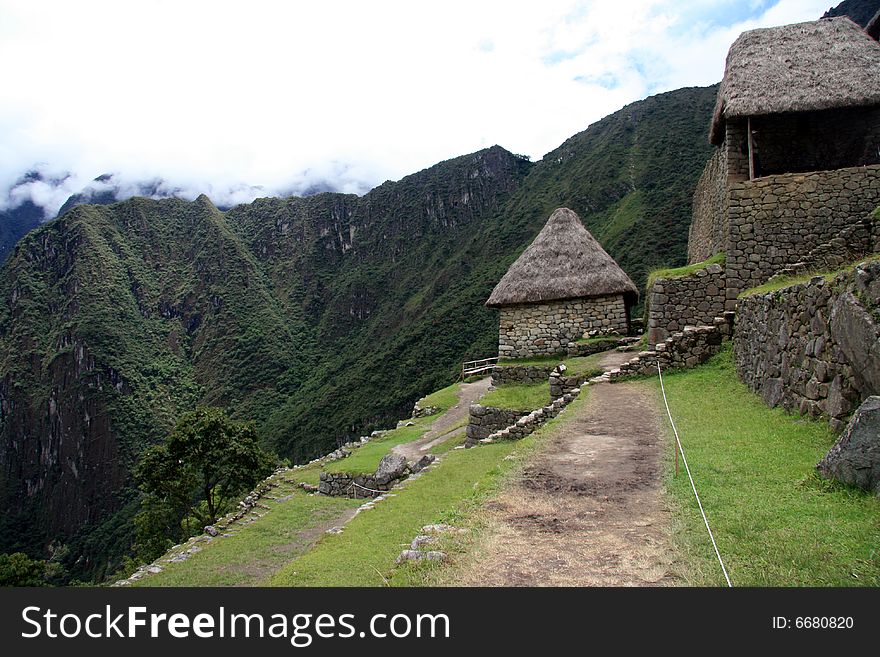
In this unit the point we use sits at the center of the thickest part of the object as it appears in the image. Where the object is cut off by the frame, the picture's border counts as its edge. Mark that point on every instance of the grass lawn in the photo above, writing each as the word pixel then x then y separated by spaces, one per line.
pixel 788 281
pixel 364 554
pixel 443 399
pixel 366 458
pixel 518 397
pixel 258 549
pixel 776 522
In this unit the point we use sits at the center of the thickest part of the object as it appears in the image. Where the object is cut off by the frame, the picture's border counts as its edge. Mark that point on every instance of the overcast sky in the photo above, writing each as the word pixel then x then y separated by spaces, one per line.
pixel 216 96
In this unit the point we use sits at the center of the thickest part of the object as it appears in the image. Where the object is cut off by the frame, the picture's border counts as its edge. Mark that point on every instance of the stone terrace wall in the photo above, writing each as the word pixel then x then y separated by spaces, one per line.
pixel 777 220
pixel 813 348
pixel 521 374
pixel 708 232
pixel 688 348
pixel 486 420
pixel 692 300
pixel 547 328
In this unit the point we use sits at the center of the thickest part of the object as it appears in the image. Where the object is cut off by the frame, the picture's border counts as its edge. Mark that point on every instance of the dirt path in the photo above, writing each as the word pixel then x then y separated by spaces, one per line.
pixel 587 510
pixel 444 427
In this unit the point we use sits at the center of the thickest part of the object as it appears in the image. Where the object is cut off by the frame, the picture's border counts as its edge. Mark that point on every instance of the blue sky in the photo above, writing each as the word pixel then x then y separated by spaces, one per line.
pixel 220 96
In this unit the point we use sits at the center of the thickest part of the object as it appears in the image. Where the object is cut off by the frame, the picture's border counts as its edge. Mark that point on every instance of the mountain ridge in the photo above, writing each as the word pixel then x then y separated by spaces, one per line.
pixel 318 317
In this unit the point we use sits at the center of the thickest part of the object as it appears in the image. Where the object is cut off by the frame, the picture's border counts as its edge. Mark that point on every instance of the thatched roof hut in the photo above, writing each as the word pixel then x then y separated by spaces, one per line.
pixel 824 64
pixel 563 262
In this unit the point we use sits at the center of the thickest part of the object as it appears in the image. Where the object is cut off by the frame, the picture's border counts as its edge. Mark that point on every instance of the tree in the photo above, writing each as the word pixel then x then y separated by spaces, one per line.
pixel 18 569
pixel 205 462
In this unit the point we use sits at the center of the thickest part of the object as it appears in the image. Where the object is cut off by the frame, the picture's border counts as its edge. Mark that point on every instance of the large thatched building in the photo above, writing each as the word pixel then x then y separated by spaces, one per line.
pixel 562 285
pixel 795 177
pixel 802 97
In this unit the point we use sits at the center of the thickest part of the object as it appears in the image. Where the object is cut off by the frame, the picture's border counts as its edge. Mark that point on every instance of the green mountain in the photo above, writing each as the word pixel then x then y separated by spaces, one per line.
pixel 319 318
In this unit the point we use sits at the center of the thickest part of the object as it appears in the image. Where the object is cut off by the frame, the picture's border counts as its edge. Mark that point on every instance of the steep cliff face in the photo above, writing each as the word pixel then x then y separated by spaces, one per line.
pixel 319 318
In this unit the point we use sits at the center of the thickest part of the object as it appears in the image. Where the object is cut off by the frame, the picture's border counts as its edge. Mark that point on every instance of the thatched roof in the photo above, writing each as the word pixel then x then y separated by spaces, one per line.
pixel 564 262
pixel 804 67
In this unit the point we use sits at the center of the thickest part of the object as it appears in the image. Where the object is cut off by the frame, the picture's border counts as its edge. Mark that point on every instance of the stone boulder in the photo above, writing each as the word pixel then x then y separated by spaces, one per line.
pixel 855 457
pixel 392 466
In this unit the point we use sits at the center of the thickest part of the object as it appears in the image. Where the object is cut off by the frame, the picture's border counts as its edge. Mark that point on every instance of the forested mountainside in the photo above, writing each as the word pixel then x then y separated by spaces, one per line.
pixel 319 318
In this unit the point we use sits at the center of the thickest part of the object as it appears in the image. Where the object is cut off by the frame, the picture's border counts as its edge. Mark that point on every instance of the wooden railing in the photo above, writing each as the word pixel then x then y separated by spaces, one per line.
pixel 472 367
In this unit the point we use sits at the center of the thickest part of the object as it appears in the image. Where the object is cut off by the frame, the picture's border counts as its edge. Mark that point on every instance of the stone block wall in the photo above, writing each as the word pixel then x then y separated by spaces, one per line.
pixel 692 300
pixel 527 424
pixel 688 348
pixel 545 329
pixel 777 220
pixel 708 232
pixel 520 374
pixel 486 420
pixel 813 348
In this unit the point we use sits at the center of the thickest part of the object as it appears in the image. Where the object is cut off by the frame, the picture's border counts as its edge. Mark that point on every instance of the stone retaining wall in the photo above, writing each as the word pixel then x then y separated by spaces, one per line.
pixel 527 424
pixel 520 374
pixel 545 329
pixel 344 484
pixel 688 348
pixel 485 420
pixel 693 300
pixel 778 220
pixel 813 348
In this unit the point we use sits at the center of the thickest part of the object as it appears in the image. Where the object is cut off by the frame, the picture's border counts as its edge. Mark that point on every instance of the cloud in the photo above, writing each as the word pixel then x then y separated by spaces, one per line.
pixel 236 99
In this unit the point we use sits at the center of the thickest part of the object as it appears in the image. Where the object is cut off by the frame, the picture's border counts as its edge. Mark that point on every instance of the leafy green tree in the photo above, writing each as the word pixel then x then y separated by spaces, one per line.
pixel 18 569
pixel 203 465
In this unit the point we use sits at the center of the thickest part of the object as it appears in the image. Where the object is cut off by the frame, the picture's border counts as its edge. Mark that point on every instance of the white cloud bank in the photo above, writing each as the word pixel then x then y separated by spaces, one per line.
pixel 263 97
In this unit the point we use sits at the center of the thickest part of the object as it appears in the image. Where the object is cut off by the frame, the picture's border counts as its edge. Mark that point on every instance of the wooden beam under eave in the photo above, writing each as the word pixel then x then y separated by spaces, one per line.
pixel 751 150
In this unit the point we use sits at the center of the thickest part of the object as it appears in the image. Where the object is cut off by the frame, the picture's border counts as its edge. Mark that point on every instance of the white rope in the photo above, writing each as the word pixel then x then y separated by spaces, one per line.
pixel 684 460
pixel 372 490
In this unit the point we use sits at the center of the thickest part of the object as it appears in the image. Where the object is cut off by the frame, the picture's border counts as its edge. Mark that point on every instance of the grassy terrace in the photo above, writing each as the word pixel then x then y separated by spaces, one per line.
pixel 364 554
pixel 295 521
pixel 687 270
pixel 518 397
pixel 776 522
pixel 788 281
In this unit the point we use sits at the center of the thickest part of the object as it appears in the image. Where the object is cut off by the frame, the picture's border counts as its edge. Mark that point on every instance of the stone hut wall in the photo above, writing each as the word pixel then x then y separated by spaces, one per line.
pixel 813 348
pixel 708 232
pixel 777 220
pixel 692 300
pixel 545 329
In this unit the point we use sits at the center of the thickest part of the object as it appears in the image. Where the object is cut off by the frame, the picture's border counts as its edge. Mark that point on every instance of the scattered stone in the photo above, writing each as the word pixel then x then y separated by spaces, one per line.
pixel 417 555
pixel 392 466
pixel 154 570
pixel 423 463
pixel 210 530
pixel 422 539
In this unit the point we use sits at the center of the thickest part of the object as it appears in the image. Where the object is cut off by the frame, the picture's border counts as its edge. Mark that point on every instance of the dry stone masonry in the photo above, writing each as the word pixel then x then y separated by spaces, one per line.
pixel 545 329
pixel 778 220
pixel 486 420
pixel 520 374
pixel 527 424
pixel 813 348
pixel 693 300
pixel 688 348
